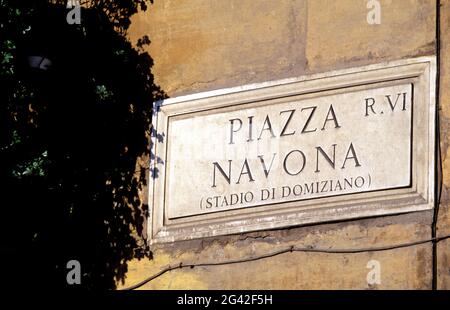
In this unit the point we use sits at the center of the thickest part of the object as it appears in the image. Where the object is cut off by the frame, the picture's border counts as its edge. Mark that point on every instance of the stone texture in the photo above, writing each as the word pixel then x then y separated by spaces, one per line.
pixel 202 45
pixel 372 151
pixel 190 188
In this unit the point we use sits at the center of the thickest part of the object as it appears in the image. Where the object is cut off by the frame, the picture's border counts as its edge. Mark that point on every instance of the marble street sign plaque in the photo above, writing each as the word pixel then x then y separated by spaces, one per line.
pixel 333 146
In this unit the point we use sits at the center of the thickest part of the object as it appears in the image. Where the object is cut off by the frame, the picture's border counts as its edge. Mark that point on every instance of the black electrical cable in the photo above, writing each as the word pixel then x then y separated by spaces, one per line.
pixel 283 251
pixel 438 163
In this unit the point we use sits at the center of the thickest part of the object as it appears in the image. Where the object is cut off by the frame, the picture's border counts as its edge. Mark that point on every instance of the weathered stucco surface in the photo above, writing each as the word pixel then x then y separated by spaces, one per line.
pixel 400 268
pixel 443 248
pixel 208 44
pixel 202 45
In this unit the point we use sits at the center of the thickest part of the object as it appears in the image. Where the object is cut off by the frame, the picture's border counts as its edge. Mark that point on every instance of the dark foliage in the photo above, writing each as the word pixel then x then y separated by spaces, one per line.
pixel 70 138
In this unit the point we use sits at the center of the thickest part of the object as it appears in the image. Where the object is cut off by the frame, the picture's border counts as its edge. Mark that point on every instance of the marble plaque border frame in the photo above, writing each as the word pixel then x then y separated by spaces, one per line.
pixel 421 72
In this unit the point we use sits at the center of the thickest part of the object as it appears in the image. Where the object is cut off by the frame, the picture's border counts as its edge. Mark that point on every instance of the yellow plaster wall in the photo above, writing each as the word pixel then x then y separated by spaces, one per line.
pixel 200 45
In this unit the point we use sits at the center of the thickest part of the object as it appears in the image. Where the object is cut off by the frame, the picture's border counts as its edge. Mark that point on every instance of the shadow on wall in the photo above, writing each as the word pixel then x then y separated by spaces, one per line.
pixel 72 133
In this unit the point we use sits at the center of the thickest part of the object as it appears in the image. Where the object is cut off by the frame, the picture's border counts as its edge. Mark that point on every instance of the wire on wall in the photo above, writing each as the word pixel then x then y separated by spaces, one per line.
pixel 283 251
